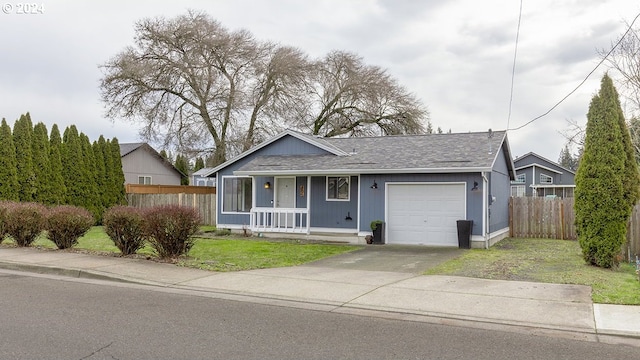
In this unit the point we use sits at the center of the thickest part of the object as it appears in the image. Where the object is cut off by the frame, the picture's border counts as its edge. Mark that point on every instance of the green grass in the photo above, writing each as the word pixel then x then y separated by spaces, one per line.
pixel 241 254
pixel 220 254
pixel 549 261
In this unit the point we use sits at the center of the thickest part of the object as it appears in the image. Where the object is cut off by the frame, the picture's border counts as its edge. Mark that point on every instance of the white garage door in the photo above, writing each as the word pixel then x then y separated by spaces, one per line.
pixel 425 214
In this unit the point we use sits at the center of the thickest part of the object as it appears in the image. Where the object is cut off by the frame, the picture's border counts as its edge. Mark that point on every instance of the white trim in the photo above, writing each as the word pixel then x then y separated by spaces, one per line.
pixel 222 212
pixel 358 204
pixel 550 186
pixel 478 242
pixel 254 187
pixel 516 181
pixel 334 230
pixel 543 159
pixel 547 177
pixel 307 193
pixel 386 196
pixel 275 190
pixel 355 172
pixel 521 190
pixel 144 177
pixel 232 226
pixel 541 167
pixel 485 210
pixel 295 134
pixel 326 187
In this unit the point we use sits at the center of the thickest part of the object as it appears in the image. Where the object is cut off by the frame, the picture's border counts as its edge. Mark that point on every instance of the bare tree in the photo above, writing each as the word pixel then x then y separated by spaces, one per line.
pixel 280 77
pixel 625 60
pixel 347 97
pixel 202 89
pixel 183 79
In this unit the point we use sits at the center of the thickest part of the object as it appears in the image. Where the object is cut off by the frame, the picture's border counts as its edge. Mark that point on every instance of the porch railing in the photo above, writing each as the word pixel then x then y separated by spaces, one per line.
pixel 268 219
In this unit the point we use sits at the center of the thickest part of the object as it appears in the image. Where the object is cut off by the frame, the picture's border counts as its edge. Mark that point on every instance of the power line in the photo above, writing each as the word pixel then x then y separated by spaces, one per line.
pixel 583 81
pixel 513 70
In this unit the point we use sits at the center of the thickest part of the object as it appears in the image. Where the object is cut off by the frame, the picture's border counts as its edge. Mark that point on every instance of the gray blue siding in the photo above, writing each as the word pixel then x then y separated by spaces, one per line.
pixel 373 200
pixel 499 186
pixel 284 146
pixel 333 214
pixel 527 163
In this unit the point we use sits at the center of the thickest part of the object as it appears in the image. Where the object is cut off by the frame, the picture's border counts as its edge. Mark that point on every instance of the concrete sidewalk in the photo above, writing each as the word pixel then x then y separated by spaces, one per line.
pixel 537 308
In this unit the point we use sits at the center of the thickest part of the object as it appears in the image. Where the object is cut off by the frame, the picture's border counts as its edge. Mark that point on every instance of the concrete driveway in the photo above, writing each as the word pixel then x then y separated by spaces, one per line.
pixel 395 258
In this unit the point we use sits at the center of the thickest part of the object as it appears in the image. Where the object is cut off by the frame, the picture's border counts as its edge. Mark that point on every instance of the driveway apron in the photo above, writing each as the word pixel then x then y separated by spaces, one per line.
pixel 394 258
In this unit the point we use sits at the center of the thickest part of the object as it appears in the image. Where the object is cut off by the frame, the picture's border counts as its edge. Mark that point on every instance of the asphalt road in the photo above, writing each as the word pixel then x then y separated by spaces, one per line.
pixel 47 317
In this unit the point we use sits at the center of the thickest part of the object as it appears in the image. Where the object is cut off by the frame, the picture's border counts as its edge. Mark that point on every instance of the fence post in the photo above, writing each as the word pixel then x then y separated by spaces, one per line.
pixel 511 232
pixel 562 220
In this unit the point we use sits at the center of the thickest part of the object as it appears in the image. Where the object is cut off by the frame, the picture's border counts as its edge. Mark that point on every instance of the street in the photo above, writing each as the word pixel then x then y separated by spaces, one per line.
pixel 47 317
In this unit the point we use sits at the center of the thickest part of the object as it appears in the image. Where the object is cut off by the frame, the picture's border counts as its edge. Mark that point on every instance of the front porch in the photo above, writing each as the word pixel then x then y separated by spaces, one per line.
pixel 279 220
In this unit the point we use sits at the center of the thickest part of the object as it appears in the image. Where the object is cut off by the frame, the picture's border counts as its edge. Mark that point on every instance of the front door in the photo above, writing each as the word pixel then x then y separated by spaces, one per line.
pixel 285 198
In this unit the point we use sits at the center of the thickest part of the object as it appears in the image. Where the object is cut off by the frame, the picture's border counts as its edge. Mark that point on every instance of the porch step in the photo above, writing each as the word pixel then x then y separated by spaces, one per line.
pixel 336 238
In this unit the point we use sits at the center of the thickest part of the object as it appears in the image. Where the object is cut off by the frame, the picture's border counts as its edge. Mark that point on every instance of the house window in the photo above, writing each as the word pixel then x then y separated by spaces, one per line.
pixel 237 194
pixel 337 188
pixel 144 180
pixel 546 179
pixel 521 178
pixel 517 191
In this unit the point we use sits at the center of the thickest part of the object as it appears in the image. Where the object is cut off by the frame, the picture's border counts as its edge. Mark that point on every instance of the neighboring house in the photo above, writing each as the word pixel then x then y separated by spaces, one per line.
pixel 540 177
pixel 143 165
pixel 199 178
pixel 418 185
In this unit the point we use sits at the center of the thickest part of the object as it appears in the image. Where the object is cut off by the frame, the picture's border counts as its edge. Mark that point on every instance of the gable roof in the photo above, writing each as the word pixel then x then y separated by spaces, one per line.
pixel 462 152
pixel 128 148
pixel 534 155
pixel 202 172
pixel 319 142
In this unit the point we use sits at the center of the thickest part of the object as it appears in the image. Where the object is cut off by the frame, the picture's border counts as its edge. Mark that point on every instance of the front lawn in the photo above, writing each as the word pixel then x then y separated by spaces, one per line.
pixel 225 253
pixel 549 261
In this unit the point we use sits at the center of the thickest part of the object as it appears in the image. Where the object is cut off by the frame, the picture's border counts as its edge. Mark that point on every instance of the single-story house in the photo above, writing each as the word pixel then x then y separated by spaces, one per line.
pixel 199 178
pixel 143 165
pixel 540 177
pixel 418 185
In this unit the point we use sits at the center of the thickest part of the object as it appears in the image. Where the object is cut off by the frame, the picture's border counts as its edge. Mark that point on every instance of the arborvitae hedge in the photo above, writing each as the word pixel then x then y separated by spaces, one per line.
pixel 22 138
pixel 58 189
pixel 605 181
pixel 8 172
pixel 41 164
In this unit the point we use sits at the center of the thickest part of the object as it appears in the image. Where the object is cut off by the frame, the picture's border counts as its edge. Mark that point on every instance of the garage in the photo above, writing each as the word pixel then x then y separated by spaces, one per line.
pixel 425 213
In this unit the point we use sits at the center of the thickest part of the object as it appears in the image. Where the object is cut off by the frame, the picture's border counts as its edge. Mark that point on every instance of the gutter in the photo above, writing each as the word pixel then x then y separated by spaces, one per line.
pixel 485 210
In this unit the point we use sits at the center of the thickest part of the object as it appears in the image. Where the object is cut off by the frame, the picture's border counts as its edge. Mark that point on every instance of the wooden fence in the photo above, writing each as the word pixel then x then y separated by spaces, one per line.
pixel 204 203
pixel 168 189
pixel 555 219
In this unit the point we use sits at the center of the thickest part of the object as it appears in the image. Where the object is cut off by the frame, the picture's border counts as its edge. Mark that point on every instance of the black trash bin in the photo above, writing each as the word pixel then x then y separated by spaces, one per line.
pixel 378 233
pixel 464 233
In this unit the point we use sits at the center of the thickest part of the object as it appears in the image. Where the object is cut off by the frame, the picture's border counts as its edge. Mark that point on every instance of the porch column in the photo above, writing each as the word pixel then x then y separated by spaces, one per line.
pixel 308 193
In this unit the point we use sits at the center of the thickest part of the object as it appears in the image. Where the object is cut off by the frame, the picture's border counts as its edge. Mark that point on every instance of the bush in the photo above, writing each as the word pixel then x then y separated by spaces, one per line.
pixel 3 222
pixel 25 221
pixel 66 223
pixel 124 226
pixel 171 228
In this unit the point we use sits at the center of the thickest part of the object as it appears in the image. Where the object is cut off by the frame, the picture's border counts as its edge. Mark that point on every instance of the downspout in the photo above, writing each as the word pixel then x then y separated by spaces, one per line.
pixel 485 210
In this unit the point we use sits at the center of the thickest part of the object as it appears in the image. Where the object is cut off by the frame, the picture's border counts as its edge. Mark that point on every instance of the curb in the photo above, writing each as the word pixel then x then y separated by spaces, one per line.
pixel 591 335
pixel 73 273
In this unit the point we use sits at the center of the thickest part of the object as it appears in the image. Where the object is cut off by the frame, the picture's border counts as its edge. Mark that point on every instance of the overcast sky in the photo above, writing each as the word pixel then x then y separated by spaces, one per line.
pixel 455 55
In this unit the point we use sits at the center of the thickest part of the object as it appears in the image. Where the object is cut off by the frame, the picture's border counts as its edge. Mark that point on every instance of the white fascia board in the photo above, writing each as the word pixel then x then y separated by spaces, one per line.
pixel 541 167
pixel 360 171
pixel 295 134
